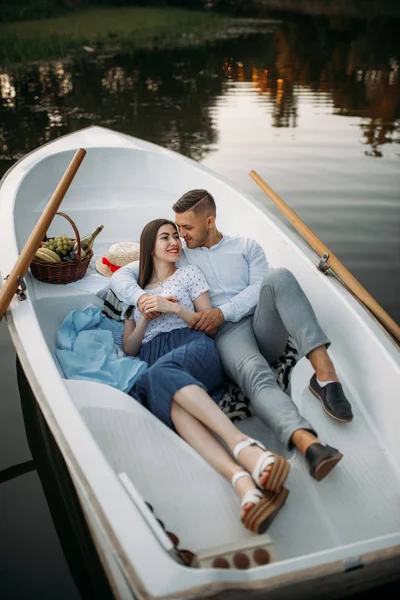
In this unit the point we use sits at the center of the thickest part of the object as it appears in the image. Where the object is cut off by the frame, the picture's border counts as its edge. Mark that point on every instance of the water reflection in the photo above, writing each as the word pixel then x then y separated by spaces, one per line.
pixel 356 64
pixel 166 97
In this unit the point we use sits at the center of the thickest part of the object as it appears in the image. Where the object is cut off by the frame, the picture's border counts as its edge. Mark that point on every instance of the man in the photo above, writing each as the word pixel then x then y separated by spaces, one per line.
pixel 255 310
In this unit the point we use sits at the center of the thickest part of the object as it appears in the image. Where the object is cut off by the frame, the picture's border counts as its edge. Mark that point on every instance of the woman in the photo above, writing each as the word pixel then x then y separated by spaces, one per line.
pixel 185 379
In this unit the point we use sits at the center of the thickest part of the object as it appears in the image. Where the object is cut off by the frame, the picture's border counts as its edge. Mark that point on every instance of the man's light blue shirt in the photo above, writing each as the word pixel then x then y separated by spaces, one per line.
pixel 234 269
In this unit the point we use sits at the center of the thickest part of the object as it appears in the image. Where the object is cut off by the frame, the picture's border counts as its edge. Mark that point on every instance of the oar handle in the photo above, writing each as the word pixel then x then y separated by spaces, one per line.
pixel 334 263
pixel 34 240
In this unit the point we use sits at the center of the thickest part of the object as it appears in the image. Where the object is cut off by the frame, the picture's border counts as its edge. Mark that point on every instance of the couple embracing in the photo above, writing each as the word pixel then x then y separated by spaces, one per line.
pixel 210 309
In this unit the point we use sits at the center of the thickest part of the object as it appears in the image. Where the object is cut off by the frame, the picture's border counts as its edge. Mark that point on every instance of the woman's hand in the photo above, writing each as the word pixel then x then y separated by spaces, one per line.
pixel 149 317
pixel 142 299
pixel 158 304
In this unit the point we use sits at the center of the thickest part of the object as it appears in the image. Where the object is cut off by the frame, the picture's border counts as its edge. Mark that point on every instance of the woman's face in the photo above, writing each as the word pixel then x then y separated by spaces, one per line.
pixel 168 245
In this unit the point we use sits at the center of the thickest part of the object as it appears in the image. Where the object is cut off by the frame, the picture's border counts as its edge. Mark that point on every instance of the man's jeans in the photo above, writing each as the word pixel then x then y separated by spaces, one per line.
pixel 248 347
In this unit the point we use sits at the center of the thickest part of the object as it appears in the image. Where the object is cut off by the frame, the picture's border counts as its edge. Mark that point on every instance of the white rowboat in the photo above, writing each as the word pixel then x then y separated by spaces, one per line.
pixel 340 534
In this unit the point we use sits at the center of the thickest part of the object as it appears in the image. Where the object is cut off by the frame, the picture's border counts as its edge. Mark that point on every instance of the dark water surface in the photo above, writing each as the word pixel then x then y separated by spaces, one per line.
pixel 312 105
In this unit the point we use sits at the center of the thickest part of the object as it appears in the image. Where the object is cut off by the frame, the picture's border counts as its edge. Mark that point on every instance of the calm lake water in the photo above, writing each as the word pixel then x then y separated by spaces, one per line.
pixel 313 106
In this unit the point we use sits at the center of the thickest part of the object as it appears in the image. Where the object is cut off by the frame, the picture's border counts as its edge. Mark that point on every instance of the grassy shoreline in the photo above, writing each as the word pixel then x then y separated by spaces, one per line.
pixel 125 29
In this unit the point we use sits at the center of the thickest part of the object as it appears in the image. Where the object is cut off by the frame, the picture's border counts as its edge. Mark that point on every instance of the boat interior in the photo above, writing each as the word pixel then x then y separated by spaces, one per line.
pixel 358 501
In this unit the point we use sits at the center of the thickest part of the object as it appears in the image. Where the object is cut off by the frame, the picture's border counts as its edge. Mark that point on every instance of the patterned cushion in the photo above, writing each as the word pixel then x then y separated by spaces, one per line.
pixel 285 363
pixel 234 403
pixel 112 306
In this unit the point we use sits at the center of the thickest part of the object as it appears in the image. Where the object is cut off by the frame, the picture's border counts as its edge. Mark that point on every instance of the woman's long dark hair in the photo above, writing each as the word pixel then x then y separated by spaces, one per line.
pixel 147 242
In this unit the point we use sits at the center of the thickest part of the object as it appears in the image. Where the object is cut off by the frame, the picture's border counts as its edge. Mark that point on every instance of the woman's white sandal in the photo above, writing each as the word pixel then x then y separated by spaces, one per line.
pixel 252 496
pixel 277 474
pixel 266 506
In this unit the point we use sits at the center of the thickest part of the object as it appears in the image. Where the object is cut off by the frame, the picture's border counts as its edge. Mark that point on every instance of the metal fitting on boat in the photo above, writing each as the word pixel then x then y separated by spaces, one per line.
pixel 322 265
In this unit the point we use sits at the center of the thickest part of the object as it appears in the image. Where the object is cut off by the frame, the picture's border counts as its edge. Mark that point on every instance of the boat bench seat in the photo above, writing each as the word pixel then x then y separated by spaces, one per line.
pixel 52 303
pixel 191 499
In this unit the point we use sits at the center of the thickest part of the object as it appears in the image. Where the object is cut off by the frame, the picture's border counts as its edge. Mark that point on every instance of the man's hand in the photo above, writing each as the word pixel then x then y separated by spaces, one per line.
pixel 207 320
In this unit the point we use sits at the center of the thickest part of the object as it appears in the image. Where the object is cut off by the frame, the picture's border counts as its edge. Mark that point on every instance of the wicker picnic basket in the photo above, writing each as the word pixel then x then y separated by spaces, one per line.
pixel 65 271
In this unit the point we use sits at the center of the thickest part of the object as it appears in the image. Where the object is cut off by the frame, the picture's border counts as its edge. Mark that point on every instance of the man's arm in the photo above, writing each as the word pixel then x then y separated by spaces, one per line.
pixel 124 284
pixel 245 302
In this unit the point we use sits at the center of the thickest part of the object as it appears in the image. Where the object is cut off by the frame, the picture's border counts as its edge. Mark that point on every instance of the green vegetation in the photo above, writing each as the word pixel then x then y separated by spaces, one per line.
pixel 44 29
pixel 106 28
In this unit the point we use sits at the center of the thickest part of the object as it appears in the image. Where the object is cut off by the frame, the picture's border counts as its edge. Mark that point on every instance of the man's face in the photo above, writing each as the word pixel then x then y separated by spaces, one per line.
pixel 194 229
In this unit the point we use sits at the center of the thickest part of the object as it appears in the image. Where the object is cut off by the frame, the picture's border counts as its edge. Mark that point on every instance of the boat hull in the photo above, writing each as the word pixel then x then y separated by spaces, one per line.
pixel 125 182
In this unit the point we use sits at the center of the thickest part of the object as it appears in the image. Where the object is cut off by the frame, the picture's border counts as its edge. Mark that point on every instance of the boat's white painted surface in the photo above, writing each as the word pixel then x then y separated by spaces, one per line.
pixel 124 182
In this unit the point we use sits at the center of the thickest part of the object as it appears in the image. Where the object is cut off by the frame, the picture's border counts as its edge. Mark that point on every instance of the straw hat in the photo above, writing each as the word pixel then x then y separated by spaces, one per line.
pixel 118 255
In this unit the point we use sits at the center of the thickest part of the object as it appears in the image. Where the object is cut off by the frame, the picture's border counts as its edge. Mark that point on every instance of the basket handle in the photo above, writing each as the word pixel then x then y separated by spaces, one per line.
pixel 77 236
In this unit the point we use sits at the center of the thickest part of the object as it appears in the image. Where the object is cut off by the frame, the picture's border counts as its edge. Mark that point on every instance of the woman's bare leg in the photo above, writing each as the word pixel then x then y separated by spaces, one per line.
pixel 199 404
pixel 199 438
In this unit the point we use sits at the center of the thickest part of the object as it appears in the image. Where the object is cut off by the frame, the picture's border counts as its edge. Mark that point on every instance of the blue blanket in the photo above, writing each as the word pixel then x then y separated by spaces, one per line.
pixel 87 350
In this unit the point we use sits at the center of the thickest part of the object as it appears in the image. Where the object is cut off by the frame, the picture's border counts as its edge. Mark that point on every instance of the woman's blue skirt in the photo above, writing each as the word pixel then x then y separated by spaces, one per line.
pixel 176 359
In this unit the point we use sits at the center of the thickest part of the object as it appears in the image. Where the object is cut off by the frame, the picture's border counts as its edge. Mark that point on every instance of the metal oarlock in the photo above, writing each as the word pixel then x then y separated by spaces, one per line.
pixel 21 290
pixel 322 265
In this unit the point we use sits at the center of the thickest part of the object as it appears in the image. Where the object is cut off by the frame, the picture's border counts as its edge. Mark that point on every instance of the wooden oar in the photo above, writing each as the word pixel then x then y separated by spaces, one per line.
pixel 333 262
pixel 25 258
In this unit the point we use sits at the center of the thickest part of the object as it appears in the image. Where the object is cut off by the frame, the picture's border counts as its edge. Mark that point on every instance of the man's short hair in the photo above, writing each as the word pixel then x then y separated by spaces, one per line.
pixel 199 201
